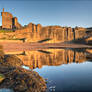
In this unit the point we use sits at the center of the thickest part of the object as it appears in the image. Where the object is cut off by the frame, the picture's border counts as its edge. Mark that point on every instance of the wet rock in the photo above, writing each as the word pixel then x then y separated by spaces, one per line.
pixel 13 60
pixel 19 79
pixel 22 80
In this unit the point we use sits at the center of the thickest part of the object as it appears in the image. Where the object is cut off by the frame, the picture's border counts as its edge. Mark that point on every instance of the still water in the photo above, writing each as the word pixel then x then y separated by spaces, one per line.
pixel 65 70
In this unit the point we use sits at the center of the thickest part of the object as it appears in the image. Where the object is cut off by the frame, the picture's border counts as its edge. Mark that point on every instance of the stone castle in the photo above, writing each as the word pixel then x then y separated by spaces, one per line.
pixel 39 33
pixel 9 22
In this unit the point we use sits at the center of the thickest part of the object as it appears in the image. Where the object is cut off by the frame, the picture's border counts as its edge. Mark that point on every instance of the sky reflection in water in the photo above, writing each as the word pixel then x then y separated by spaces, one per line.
pixel 65 70
pixel 68 77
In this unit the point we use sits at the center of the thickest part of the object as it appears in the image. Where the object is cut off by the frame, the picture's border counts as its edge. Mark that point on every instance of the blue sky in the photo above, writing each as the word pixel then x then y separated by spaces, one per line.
pixel 51 12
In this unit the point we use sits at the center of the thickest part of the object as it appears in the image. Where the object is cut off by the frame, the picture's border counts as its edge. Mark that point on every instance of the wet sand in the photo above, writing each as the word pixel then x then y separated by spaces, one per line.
pixel 10 46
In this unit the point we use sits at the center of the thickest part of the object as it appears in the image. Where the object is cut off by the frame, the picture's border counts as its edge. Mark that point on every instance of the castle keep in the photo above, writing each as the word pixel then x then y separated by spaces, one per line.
pixel 8 21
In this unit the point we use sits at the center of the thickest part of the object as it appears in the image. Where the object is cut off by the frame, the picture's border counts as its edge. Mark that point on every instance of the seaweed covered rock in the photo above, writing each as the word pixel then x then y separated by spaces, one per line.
pixel 17 78
pixel 13 60
pixel 22 80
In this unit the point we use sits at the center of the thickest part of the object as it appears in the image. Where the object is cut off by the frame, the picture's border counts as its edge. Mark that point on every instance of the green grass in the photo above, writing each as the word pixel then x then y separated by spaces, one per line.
pixel 12 39
pixel 21 39
pixel 5 31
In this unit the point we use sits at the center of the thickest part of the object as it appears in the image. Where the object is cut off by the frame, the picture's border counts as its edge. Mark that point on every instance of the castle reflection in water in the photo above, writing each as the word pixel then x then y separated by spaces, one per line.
pixel 51 57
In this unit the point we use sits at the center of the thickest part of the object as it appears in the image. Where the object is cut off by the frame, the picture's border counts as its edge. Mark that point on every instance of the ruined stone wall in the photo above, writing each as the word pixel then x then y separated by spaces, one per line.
pixel 79 32
pixel 37 33
pixel 7 20
pixel 70 34
pixel 50 34
pixel 16 24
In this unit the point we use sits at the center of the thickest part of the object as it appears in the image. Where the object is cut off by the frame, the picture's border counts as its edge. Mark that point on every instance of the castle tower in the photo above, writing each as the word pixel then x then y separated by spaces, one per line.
pixel 3 9
pixel 6 20
pixel 15 23
pixel 9 22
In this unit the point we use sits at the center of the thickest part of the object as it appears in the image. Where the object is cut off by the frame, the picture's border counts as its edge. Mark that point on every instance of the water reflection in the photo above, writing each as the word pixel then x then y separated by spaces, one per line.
pixel 51 57
pixel 67 70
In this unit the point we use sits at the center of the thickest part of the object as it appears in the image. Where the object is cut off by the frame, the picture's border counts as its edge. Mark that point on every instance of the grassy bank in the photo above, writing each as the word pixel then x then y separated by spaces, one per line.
pixel 5 31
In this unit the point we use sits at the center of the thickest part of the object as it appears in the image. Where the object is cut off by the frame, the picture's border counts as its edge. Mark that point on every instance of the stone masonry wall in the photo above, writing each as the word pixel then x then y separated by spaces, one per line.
pixel 50 34
pixel 7 20
pixel 38 33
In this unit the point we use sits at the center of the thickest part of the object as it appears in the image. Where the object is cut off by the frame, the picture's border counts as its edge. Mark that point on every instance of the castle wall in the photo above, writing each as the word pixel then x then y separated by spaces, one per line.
pixel 7 20
pixel 16 24
pixel 50 34
pixel 38 33
pixel 70 34
pixel 79 32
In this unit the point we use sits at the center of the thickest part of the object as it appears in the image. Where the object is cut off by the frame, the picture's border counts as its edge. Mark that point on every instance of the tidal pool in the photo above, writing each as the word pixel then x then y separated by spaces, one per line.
pixel 65 70
pixel 74 74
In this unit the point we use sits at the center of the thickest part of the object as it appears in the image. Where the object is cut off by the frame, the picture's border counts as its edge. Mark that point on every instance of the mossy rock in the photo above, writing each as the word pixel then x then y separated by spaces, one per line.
pixel 2 77
pixel 13 60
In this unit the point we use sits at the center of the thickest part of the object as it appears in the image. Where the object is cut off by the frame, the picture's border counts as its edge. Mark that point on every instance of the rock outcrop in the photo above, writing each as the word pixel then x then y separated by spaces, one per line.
pixel 17 78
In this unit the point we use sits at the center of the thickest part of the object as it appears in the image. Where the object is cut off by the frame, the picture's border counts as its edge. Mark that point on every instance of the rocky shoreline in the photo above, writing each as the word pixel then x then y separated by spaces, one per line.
pixel 17 78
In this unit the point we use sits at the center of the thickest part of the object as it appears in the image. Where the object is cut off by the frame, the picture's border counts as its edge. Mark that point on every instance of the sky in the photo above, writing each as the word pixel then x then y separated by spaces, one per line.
pixel 69 13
